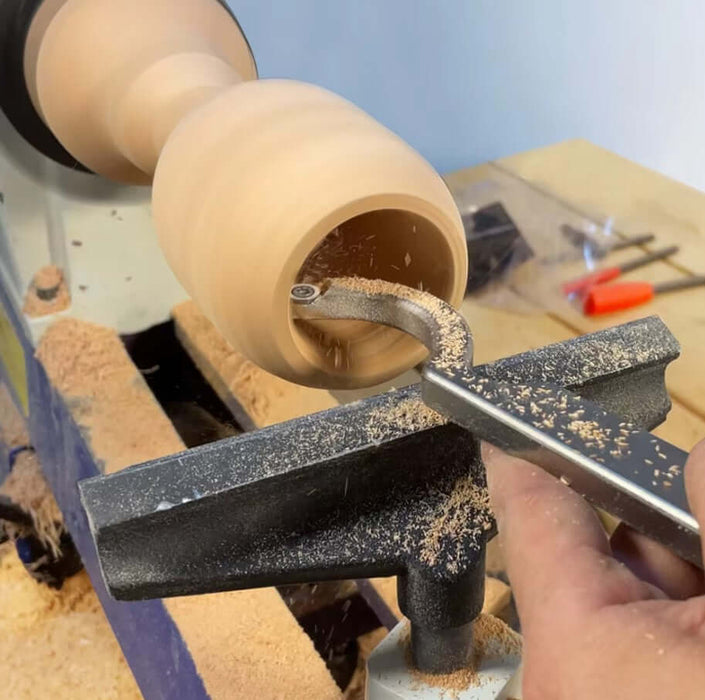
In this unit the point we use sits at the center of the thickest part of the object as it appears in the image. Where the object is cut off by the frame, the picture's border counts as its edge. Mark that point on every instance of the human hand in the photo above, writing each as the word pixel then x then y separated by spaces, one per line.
pixel 601 620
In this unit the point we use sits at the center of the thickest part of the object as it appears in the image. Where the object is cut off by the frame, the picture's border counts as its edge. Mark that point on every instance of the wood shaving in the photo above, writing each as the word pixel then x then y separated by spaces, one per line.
pixel 26 486
pixel 467 500
pixel 453 348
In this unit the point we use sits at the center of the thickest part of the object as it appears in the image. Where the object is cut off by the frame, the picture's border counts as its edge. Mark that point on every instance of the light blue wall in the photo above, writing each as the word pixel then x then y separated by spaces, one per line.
pixel 465 81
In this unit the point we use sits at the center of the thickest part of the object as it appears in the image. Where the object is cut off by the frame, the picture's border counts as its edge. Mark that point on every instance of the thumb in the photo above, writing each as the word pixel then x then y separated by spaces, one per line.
pixel 695 484
pixel 557 554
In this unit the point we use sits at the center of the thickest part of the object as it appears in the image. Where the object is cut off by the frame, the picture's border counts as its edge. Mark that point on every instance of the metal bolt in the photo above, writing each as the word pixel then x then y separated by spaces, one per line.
pixel 304 293
pixel 47 293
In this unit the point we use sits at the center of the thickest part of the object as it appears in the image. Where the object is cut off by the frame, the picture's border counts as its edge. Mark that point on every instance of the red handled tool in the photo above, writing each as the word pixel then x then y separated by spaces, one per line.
pixel 581 285
pixel 606 298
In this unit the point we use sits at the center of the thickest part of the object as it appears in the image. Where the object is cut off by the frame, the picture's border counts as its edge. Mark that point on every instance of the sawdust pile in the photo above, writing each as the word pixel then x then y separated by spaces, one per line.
pixel 107 395
pixel 25 484
pixel 246 644
pixel 57 645
pixel 266 399
pixel 493 638
pixel 54 645
pixel 47 278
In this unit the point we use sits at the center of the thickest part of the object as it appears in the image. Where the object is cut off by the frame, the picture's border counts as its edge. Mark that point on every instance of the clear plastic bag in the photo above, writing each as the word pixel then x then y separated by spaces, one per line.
pixel 524 244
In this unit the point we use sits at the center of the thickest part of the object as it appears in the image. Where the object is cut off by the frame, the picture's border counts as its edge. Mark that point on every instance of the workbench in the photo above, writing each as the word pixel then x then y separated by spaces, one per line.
pixel 598 183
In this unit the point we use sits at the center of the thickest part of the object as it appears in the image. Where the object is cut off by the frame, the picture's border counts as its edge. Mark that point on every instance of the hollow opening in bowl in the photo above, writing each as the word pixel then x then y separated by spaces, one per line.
pixel 389 244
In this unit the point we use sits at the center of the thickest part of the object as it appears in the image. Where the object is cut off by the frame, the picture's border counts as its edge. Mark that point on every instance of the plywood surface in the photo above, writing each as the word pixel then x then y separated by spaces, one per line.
pixel 598 183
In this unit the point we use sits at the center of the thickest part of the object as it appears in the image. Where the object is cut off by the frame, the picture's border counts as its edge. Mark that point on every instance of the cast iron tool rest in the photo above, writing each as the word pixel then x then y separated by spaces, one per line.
pixel 386 487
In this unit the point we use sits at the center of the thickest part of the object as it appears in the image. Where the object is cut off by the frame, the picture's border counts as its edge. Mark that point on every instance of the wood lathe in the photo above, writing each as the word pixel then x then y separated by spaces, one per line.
pixel 262 189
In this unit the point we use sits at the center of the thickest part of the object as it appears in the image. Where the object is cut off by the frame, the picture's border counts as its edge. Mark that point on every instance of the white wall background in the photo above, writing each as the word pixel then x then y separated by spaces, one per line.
pixel 465 81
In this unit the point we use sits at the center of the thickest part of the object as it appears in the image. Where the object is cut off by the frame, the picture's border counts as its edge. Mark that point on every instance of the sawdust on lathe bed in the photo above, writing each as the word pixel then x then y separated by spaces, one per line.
pixel 46 278
pixel 244 643
pixel 267 399
pixel 107 395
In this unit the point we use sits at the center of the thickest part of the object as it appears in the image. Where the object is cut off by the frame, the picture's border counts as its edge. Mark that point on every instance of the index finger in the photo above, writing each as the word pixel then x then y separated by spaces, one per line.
pixel 558 556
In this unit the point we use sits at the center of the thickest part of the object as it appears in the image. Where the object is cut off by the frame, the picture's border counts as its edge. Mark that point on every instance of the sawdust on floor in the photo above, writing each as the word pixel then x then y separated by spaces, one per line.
pixel 244 643
pixel 57 645
pixel 267 399
pixel 47 277
pixel 54 645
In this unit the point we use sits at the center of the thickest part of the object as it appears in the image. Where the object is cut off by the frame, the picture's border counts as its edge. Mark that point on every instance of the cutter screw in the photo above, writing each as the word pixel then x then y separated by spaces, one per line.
pixel 304 293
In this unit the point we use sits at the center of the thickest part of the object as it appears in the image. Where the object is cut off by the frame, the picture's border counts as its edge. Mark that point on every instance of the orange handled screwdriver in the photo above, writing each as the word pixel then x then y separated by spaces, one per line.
pixel 606 298
pixel 582 284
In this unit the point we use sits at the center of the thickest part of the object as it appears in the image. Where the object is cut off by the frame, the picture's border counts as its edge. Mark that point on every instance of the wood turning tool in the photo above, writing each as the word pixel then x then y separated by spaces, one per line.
pixel 598 454
pixel 356 492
